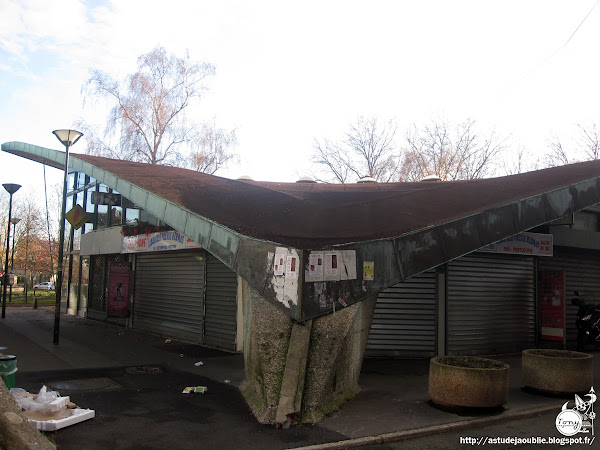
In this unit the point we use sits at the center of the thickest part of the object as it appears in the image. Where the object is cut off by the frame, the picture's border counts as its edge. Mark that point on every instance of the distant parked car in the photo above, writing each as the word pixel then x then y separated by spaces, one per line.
pixel 45 286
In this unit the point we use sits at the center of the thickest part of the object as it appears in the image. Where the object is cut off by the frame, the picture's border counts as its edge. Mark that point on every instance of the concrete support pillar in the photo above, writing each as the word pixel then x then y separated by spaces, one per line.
pixel 302 371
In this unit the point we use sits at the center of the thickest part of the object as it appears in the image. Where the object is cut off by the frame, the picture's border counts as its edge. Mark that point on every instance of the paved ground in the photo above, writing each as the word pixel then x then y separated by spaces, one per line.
pixel 134 381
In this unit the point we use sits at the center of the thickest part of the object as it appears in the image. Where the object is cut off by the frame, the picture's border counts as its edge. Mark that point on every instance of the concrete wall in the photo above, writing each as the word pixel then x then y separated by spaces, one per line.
pixel 302 371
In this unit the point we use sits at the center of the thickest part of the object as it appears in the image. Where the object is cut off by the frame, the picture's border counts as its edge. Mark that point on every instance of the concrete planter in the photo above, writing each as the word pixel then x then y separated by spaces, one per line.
pixel 557 371
pixel 467 381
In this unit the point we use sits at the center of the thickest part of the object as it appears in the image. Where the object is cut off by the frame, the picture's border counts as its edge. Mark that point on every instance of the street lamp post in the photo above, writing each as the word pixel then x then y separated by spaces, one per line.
pixel 11 189
pixel 67 138
pixel 14 221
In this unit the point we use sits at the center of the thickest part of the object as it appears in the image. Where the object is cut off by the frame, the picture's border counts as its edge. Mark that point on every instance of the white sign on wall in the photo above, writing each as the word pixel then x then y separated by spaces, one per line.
pixel 157 242
pixel 536 244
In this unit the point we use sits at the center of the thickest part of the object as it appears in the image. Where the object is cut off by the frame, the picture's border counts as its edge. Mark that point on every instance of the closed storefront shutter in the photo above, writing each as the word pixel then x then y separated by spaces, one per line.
pixel 169 291
pixel 404 321
pixel 491 304
pixel 582 273
pixel 221 305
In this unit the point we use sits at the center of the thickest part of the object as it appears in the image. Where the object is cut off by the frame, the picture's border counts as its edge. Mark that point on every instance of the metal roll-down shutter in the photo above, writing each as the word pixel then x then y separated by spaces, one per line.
pixel 490 304
pixel 404 321
pixel 169 291
pixel 220 305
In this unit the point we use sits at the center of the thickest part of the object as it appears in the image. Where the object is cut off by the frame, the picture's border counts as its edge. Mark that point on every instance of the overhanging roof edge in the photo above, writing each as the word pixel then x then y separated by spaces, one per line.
pixel 50 157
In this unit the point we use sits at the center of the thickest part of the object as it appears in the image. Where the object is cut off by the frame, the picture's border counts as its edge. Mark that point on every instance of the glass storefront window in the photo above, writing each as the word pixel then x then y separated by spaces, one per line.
pixel 80 180
pixel 77 239
pixel 79 199
pixel 89 206
pixel 132 216
pixel 70 181
pixel 116 216
pixel 88 227
pixel 148 218
pixel 102 216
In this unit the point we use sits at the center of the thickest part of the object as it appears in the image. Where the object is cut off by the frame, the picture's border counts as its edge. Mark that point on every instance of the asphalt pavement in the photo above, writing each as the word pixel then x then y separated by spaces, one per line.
pixel 134 382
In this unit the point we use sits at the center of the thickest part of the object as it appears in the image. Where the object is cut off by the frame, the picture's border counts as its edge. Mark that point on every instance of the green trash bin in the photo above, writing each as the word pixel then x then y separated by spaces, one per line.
pixel 8 368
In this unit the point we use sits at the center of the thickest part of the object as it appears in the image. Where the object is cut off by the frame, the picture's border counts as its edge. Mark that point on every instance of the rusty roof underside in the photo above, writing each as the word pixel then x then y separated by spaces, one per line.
pixel 315 215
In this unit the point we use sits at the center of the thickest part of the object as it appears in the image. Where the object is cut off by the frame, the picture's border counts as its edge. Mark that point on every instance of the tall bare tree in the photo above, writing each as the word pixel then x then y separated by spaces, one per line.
pixel 147 121
pixel 457 152
pixel 585 147
pixel 211 148
pixel 368 149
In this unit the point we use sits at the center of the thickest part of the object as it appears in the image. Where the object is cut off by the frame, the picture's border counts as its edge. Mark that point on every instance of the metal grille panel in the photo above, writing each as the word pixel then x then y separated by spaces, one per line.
pixel 490 304
pixel 96 296
pixel 404 321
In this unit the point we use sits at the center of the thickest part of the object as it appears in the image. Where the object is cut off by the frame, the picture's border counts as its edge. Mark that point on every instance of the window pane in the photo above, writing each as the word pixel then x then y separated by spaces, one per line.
pixel 132 216
pixel 89 206
pixel 77 239
pixel 102 216
pixel 116 216
pixel 80 199
pixel 80 180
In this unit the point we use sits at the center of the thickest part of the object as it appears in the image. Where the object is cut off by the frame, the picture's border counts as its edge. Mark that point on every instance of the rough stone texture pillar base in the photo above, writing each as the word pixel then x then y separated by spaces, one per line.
pixel 306 370
pixel 268 332
pixel 335 358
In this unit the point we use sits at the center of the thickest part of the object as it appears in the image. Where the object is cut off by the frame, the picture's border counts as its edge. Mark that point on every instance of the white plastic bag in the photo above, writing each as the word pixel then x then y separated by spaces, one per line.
pixel 45 401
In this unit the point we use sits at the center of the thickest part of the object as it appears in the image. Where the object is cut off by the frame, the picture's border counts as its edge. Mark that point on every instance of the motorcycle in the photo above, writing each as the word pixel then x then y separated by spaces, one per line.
pixel 588 322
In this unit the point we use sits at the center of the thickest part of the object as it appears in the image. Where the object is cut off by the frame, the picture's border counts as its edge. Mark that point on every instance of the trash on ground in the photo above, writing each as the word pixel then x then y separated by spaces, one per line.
pixel 167 341
pixel 227 381
pixel 48 411
pixel 195 389
pixel 199 363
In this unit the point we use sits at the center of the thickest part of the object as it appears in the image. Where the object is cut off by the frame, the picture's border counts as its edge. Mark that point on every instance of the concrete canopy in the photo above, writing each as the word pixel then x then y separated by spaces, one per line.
pixel 405 228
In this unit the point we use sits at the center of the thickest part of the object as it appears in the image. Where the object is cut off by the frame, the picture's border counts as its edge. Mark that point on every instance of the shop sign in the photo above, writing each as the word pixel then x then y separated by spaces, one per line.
pixel 552 292
pixel 106 198
pixel 77 217
pixel 534 244
pixel 118 289
pixel 157 242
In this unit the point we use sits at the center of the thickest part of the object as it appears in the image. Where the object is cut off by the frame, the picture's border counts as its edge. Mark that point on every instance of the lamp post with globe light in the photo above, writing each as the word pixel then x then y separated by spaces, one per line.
pixel 11 189
pixel 14 221
pixel 67 138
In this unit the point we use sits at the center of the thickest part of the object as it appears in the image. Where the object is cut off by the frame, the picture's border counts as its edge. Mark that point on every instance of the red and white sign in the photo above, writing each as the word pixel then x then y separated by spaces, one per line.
pixel 535 244
pixel 157 242
pixel 552 292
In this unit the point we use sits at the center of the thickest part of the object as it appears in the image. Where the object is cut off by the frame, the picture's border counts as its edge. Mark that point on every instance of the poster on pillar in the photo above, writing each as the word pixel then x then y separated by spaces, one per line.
pixel 552 292
pixel 118 289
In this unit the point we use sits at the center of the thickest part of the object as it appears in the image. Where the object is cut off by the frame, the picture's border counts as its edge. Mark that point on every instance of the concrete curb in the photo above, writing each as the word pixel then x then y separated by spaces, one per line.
pixel 434 429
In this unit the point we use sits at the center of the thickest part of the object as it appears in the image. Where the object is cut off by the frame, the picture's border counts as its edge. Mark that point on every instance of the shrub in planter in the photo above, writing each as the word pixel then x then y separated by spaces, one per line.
pixel 468 381
pixel 557 371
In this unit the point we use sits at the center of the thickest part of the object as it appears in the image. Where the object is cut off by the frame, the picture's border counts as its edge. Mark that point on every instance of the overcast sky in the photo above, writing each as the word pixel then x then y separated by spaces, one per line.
pixel 289 72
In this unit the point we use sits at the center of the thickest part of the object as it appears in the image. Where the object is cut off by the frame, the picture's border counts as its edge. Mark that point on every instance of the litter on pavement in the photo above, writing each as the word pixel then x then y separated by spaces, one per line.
pixel 48 411
pixel 195 389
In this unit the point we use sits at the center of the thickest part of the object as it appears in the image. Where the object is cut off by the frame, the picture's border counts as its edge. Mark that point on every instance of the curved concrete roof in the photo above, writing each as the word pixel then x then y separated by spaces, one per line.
pixel 315 215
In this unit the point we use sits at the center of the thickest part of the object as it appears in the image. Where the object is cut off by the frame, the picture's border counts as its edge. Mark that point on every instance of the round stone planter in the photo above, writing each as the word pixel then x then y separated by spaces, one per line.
pixel 468 381
pixel 557 371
